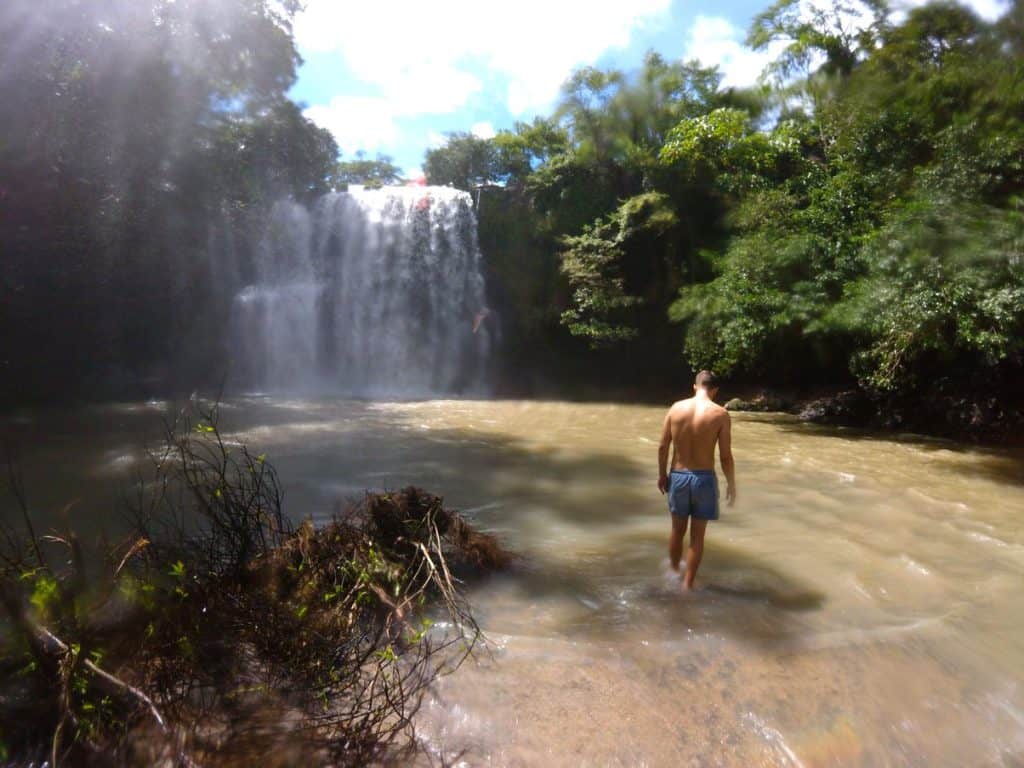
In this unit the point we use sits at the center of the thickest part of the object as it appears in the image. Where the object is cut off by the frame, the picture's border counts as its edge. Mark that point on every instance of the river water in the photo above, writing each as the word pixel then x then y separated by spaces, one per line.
pixel 861 604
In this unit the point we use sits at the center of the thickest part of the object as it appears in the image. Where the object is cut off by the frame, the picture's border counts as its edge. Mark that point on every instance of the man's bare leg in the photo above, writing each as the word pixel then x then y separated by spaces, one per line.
pixel 675 541
pixel 696 551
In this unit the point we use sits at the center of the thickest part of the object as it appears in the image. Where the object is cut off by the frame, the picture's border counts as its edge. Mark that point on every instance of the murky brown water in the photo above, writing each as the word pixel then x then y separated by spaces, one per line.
pixel 862 603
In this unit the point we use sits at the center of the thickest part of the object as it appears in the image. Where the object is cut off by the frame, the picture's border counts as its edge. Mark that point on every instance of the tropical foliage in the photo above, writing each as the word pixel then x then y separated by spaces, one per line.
pixel 137 138
pixel 858 217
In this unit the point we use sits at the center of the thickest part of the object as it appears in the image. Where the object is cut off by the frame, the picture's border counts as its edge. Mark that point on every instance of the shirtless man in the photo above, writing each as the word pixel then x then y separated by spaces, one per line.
pixel 693 427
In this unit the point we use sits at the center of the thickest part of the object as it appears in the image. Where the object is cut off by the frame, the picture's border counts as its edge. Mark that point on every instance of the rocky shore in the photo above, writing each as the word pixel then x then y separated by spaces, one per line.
pixel 983 418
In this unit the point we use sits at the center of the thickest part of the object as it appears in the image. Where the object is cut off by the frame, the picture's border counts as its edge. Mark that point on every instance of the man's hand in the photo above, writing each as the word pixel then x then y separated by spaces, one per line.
pixel 730 494
pixel 663 446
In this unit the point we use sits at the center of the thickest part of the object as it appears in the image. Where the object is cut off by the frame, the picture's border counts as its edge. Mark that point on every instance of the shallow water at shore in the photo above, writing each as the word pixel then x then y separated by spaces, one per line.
pixel 861 604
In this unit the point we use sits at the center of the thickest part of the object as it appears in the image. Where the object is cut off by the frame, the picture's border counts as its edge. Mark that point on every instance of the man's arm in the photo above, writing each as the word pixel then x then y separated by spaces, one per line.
pixel 725 456
pixel 663 446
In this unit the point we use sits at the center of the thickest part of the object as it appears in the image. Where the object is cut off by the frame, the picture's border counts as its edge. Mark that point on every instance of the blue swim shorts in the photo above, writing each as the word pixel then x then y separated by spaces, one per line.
pixel 694 493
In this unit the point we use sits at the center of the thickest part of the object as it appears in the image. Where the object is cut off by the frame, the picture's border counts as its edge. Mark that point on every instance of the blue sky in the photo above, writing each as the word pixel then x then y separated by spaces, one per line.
pixel 392 76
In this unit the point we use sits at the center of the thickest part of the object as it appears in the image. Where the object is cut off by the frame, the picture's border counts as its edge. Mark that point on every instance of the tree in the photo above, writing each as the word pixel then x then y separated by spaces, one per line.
pixel 944 286
pixel 465 161
pixel 371 173
pixel 618 122
pixel 831 37
pixel 586 106
pixel 759 225
pixel 526 147
pixel 133 132
pixel 660 95
pixel 722 150
pixel 617 266
pixel 864 248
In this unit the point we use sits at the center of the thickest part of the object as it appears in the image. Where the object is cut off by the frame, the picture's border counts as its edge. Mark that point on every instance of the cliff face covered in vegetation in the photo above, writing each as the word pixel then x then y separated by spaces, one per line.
pixel 856 221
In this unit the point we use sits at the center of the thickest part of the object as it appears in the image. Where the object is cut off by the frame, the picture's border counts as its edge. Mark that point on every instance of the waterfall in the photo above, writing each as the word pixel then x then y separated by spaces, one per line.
pixel 371 293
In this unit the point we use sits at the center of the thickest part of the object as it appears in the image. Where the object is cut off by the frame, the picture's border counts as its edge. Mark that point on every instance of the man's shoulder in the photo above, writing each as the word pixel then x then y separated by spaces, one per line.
pixel 715 413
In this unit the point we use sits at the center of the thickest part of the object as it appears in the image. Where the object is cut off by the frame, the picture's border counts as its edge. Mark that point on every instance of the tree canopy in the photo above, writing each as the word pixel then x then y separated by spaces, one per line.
pixel 137 135
pixel 377 172
pixel 857 217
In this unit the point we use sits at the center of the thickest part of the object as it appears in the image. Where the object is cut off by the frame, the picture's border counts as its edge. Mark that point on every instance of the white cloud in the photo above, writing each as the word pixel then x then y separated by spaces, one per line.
pixel 436 139
pixel 356 122
pixel 483 130
pixel 715 41
pixel 418 53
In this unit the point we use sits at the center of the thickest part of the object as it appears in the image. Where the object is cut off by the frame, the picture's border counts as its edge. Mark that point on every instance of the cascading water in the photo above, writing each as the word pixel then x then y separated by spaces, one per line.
pixel 372 293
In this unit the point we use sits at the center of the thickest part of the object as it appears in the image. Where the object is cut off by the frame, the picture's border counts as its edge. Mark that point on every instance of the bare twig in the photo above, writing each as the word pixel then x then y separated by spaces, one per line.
pixel 17 489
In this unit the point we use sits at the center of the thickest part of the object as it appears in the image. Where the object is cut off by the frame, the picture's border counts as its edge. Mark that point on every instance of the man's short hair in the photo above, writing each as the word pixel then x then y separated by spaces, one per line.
pixel 707 380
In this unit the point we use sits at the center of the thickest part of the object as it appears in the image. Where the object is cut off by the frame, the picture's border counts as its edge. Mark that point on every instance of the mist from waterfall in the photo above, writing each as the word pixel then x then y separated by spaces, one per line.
pixel 374 293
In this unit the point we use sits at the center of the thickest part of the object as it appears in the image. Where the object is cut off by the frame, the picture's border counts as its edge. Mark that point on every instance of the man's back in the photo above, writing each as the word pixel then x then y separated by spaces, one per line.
pixel 695 425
